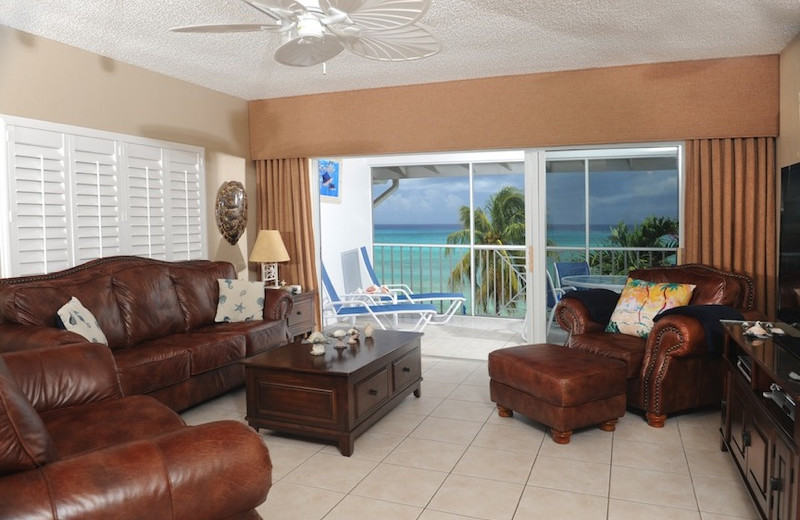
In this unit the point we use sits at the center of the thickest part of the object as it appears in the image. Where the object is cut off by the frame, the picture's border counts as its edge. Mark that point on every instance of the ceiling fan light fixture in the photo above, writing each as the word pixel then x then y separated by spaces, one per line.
pixel 309 26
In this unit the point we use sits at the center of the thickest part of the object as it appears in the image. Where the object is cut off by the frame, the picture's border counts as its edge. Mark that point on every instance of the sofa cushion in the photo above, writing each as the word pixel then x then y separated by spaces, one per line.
pixel 641 300
pixel 208 350
pixel 198 290
pixel 710 288
pixel 37 306
pixel 148 303
pixel 24 441
pixel 76 318
pixel 98 296
pixel 260 335
pixel 152 366
pixel 240 300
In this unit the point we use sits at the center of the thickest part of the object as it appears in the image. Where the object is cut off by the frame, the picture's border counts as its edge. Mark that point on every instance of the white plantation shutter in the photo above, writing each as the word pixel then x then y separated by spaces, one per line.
pixel 75 194
pixel 37 190
pixel 147 220
pixel 185 195
pixel 96 219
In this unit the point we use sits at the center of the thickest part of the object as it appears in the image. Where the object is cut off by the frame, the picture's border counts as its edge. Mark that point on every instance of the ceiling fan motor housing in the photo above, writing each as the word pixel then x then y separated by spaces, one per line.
pixel 309 26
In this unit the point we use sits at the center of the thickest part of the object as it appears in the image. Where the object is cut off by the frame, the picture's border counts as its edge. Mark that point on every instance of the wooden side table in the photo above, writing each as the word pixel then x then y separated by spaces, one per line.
pixel 301 318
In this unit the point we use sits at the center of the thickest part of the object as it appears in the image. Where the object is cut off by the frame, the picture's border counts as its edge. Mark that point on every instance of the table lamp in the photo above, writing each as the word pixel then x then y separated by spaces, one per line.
pixel 269 250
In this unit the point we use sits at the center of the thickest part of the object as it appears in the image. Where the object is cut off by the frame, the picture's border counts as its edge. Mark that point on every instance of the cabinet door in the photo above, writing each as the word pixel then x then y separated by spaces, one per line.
pixel 736 412
pixel 782 484
pixel 758 456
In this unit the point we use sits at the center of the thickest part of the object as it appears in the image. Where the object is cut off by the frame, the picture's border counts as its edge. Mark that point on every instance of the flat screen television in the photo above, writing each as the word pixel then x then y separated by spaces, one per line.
pixel 789 263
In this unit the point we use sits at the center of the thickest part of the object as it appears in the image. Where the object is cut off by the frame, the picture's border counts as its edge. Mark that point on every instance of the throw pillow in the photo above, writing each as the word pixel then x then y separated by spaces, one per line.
pixel 240 300
pixel 640 301
pixel 76 318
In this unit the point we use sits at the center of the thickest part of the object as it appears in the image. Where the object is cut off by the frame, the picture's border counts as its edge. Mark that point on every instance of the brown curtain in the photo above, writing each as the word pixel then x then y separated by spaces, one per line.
pixel 284 203
pixel 731 215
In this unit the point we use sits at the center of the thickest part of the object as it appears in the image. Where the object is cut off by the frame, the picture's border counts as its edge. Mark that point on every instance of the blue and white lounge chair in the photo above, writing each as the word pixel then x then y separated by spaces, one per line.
pixel 450 301
pixel 358 305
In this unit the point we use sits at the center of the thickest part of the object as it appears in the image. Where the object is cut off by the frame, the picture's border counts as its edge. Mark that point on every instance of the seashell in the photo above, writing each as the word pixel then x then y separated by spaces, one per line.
pixel 316 337
pixel 317 350
pixel 353 340
pixel 368 330
pixel 352 331
pixel 339 333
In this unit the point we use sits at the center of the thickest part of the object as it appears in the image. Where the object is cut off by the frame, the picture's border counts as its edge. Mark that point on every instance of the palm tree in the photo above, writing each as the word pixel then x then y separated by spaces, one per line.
pixel 502 223
pixel 651 232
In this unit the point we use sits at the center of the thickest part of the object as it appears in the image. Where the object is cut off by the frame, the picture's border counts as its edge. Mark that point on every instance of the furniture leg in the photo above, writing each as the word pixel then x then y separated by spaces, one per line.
pixel 502 411
pixel 656 420
pixel 560 437
pixel 608 426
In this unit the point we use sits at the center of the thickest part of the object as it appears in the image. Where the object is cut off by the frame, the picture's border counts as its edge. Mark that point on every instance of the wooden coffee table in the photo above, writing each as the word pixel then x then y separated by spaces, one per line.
pixel 336 396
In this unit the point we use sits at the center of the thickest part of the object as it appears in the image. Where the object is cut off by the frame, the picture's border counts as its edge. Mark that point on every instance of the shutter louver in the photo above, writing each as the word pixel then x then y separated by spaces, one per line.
pixel 185 196
pixel 146 213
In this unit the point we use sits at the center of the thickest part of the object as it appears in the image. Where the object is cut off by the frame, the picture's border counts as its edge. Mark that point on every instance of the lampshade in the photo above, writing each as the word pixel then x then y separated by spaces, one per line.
pixel 269 247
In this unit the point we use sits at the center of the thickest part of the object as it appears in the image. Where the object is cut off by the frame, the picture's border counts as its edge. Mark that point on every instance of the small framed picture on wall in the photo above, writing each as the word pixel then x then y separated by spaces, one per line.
pixel 329 179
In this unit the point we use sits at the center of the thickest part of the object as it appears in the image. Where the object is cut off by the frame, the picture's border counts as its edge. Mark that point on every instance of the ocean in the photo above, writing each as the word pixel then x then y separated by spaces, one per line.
pixel 564 236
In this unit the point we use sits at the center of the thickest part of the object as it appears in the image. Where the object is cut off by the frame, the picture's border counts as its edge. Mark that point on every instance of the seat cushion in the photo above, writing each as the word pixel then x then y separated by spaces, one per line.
pixel 152 366
pixel 629 349
pixel 260 335
pixel 209 351
pixel 97 425
pixel 558 375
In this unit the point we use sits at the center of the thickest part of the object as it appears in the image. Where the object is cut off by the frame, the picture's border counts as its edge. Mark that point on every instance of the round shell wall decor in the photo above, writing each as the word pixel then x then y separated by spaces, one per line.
pixel 231 210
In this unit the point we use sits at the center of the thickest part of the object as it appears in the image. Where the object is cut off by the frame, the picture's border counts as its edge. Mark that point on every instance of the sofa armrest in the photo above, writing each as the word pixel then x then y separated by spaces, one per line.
pixel 65 375
pixel 14 336
pixel 574 317
pixel 277 304
pixel 215 470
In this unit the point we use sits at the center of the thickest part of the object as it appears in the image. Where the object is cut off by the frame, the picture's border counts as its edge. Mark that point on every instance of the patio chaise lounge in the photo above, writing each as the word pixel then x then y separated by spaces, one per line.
pixel 450 301
pixel 358 305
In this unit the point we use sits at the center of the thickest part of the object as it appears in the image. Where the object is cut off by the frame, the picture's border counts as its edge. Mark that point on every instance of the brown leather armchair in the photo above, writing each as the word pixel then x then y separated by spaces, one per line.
pixel 671 370
pixel 72 447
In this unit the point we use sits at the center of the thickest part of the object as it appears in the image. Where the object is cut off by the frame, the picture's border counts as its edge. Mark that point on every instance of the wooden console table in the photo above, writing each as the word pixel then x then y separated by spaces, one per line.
pixel 761 433
pixel 335 396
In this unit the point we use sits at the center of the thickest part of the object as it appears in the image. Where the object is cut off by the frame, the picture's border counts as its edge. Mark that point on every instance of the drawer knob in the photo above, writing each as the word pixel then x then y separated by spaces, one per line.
pixel 372 391
pixel 406 369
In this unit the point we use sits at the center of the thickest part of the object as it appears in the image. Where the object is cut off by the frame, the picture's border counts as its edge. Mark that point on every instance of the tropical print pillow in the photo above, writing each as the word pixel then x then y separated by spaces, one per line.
pixel 640 301
pixel 240 300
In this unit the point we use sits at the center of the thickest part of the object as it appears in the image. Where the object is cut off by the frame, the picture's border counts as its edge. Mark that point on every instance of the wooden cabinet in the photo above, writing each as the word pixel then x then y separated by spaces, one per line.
pixel 759 433
pixel 301 318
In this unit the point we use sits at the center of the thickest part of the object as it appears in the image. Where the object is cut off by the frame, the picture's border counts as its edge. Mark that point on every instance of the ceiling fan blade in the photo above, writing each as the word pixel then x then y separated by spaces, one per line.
pixel 304 52
pixel 228 28
pixel 405 43
pixel 376 15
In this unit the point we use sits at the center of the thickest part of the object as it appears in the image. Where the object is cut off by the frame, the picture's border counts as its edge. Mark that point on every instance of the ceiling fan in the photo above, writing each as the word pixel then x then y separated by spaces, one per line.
pixel 317 30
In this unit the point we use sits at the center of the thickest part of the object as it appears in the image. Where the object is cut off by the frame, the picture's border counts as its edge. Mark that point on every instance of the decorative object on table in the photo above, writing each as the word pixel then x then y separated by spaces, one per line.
pixel 230 210
pixel 758 330
pixel 294 289
pixel 316 337
pixel 368 330
pixel 268 251
pixel 352 336
pixel 339 346
pixel 329 171
pixel 318 349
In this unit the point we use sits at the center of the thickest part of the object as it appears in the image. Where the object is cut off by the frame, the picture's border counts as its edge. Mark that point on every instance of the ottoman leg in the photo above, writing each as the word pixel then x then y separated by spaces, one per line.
pixel 656 420
pixel 608 426
pixel 502 411
pixel 560 437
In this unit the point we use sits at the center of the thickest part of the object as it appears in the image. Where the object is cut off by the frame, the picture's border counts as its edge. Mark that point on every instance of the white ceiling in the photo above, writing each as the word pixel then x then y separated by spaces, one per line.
pixel 480 38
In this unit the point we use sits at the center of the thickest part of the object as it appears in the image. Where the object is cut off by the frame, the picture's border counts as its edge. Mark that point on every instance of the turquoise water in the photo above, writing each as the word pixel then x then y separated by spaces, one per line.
pixel 564 236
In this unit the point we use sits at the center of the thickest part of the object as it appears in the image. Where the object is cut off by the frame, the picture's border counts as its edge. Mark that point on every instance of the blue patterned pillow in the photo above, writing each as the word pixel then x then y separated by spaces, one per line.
pixel 76 318
pixel 240 300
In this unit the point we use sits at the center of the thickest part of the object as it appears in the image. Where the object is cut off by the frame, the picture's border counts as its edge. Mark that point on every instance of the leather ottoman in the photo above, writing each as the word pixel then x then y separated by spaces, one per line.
pixel 560 387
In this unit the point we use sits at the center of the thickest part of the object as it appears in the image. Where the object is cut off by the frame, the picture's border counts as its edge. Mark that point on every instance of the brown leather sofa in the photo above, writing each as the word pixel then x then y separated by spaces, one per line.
pixel 158 318
pixel 671 370
pixel 72 447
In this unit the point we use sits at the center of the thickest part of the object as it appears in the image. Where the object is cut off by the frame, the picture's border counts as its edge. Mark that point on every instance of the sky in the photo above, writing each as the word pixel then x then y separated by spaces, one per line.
pixel 615 196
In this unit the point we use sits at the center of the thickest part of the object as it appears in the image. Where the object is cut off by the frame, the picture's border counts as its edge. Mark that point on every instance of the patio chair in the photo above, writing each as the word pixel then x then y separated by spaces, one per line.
pixel 353 306
pixel 450 301
pixel 554 295
pixel 569 269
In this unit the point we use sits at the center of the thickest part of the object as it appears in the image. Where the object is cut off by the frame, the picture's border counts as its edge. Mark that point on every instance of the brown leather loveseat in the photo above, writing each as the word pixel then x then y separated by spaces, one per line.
pixel 158 318
pixel 671 370
pixel 72 447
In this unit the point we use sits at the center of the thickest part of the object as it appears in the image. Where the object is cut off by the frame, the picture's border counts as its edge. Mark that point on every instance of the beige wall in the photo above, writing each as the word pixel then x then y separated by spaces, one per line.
pixel 788 145
pixel 43 79
pixel 736 97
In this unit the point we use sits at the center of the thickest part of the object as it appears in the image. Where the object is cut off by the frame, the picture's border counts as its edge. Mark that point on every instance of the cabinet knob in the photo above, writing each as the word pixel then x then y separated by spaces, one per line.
pixel 745 438
pixel 372 391
pixel 775 484
pixel 406 369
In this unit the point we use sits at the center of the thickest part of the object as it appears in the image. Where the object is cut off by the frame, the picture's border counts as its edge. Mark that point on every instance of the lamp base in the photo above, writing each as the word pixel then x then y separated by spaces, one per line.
pixel 269 274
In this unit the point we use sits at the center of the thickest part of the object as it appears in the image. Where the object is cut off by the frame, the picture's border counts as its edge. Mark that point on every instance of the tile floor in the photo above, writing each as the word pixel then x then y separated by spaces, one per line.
pixel 448 456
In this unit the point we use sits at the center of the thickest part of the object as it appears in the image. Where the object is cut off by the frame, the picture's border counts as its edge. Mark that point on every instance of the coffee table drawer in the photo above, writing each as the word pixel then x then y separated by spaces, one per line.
pixel 371 392
pixel 407 369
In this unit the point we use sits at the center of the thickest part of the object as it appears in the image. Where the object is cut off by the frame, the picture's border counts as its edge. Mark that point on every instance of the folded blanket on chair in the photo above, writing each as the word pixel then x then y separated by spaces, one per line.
pixel 708 316
pixel 599 302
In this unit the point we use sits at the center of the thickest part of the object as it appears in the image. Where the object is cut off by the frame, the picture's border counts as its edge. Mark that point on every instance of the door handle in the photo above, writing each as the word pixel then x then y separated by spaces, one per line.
pixel 745 438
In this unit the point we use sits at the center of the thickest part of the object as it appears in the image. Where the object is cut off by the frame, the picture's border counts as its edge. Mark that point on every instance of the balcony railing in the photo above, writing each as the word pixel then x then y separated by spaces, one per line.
pixel 493 278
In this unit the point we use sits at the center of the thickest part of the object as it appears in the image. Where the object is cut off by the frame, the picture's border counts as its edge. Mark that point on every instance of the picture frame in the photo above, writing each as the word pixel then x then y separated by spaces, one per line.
pixel 329 171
